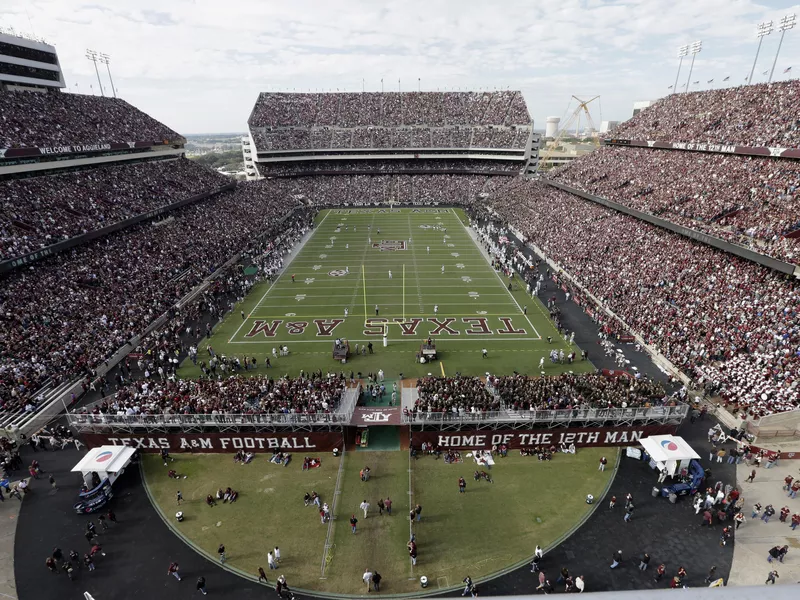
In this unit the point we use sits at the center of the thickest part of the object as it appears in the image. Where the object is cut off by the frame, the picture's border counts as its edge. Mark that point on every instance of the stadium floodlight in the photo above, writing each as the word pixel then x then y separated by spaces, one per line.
pixel 787 23
pixel 694 48
pixel 92 55
pixel 762 30
pixel 682 51
pixel 106 60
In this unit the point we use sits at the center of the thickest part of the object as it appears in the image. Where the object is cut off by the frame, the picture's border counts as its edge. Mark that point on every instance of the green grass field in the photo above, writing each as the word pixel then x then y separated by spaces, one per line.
pixel 491 527
pixel 441 285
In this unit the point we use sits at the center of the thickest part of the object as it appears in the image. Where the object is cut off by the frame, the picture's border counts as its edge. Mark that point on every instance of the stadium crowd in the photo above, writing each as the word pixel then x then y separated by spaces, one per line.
pixel 760 115
pixel 345 167
pixel 65 315
pixel 519 392
pixel 44 210
pixel 258 394
pixel 745 200
pixel 455 395
pixel 34 119
pixel 385 137
pixel 389 109
pixel 727 322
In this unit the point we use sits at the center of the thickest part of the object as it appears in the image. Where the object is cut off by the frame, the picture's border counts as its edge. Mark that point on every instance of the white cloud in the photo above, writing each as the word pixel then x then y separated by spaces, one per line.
pixel 198 65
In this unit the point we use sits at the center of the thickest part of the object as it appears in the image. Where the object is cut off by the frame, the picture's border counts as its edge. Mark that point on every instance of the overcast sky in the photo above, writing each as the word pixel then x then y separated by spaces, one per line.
pixel 198 65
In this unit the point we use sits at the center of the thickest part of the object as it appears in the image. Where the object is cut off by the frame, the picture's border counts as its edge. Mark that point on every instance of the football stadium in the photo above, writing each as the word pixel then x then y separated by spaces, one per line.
pixel 398 356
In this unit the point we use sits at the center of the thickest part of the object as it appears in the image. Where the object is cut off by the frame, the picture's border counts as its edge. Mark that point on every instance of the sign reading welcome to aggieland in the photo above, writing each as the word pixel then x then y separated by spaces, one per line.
pixel 304 441
pixel 580 436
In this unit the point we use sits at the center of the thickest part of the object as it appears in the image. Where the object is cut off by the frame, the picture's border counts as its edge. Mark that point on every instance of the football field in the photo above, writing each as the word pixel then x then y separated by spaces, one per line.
pixel 375 275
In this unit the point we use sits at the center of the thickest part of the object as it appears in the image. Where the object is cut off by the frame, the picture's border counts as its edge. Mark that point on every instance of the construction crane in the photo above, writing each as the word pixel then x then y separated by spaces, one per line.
pixel 575 119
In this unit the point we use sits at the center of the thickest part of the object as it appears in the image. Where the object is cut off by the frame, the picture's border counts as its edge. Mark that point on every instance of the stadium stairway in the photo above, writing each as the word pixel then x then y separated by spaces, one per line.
pixel 22 422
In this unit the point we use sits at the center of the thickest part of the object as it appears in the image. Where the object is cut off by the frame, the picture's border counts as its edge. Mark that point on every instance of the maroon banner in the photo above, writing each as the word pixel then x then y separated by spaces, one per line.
pixel 775 152
pixel 75 149
pixel 303 441
pixel 380 415
pixel 788 455
pixel 580 436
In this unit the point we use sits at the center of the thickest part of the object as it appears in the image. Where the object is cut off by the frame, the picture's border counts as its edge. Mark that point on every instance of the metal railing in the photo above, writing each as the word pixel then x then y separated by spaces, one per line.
pixel 181 420
pixel 550 416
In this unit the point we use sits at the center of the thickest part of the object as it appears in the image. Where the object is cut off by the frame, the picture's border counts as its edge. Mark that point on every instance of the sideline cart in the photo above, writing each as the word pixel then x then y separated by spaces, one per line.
pixel 100 469
pixel 428 351
pixel 341 350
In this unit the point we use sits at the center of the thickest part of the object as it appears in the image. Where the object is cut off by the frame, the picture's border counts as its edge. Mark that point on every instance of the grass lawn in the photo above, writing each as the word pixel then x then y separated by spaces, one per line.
pixel 380 541
pixel 268 513
pixel 345 265
pixel 494 525
pixel 489 528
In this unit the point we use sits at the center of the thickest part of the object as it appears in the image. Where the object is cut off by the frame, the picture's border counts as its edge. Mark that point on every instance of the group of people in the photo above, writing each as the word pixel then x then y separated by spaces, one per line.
pixel 745 200
pixel 224 496
pixel 41 211
pixel 723 321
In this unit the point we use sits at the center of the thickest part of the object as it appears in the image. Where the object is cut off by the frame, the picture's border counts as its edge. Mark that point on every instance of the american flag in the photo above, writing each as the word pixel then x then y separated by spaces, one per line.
pixel 787 69
pixel 726 79
pixel 710 81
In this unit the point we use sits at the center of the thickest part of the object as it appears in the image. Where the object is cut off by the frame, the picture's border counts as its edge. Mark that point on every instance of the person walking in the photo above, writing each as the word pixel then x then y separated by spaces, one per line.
pixel 580 585
pixel 365 507
pixel 412 552
pixel 52 481
pixel 201 585
pixel 662 568
pixel 367 576
pixel 603 463
pixel 468 585
pixel 616 559
pixel 738 518
pixel 712 573
pixel 221 553
pixel 462 485
pixel 262 576
pixel 418 512
pixel 178 497
pixel 87 560
pixel 769 510
pixel 271 561
pixel 751 477
pixel 173 570
pixel 771 577
pixel 388 504
pixel 277 554
pixel 353 522
pixel 628 512
pixel 644 562
pixel 381 507
pixel 376 581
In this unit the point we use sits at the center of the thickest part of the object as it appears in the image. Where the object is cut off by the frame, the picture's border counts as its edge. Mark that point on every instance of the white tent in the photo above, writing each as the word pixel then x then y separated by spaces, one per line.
pixel 669 452
pixel 106 461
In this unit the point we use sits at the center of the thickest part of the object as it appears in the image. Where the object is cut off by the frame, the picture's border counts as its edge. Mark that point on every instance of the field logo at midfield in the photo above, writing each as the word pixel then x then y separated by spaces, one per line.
pixel 389 245
pixel 267 328
pixel 337 273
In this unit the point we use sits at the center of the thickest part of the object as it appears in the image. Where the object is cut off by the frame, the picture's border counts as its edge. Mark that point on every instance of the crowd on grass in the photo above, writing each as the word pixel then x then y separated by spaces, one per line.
pixel 760 115
pixel 34 119
pixel 746 200
pixel 40 211
pixel 728 323
pixel 312 393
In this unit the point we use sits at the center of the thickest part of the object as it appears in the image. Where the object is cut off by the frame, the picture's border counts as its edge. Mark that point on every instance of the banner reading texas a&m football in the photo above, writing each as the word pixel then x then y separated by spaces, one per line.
pixel 302 441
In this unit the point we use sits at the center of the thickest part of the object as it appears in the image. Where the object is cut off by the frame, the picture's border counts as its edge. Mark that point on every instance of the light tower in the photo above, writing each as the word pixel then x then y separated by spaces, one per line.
pixel 763 30
pixel 682 51
pixel 106 59
pixel 693 49
pixel 787 23
pixel 92 56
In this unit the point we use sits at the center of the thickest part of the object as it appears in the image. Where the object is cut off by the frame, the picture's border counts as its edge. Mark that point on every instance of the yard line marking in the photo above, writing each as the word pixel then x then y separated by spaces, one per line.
pixel 442 367
pixel 281 274
pixel 499 278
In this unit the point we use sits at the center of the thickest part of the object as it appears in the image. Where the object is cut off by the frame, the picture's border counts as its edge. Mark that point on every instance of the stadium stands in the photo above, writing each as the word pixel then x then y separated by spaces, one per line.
pixel 745 200
pixel 726 322
pixel 390 120
pixel 759 115
pixel 258 394
pixel 41 211
pixel 32 119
